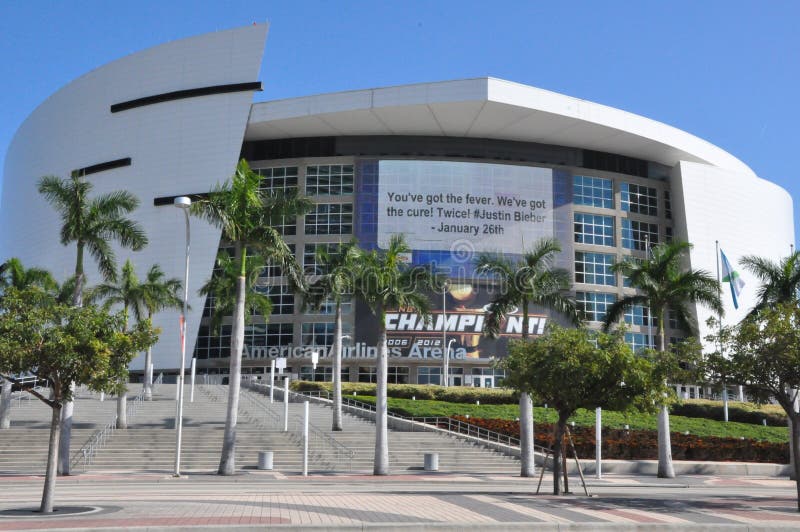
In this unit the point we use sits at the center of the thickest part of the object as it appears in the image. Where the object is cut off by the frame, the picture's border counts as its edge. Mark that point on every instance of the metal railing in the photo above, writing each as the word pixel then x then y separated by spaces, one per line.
pixel 454 427
pixel 100 437
pixel 319 440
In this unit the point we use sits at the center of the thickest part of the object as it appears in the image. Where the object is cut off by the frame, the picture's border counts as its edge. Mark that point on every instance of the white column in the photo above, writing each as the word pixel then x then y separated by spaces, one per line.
pixel 598 446
pixel 271 379
pixel 191 388
pixel 286 404
pixel 305 438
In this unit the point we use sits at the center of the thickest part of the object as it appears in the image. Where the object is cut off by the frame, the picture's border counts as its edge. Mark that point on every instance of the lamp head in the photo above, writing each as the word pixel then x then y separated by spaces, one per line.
pixel 183 202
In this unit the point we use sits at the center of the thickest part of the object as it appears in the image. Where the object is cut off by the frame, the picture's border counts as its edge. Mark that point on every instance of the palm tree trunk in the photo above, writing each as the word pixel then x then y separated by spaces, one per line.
pixel 5 405
pixel 558 452
pixel 48 491
pixel 65 435
pixel 68 406
pixel 148 375
pixel 148 370
pixel 227 464
pixel 337 370
pixel 381 465
pixel 526 435
pixel 122 409
pixel 665 467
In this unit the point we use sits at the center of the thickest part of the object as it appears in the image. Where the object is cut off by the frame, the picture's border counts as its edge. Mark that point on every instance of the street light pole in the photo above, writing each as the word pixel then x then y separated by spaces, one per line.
pixel 445 347
pixel 183 203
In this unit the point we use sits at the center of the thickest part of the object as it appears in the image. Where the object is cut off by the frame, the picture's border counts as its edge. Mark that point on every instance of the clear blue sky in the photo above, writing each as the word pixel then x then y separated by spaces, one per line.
pixel 725 70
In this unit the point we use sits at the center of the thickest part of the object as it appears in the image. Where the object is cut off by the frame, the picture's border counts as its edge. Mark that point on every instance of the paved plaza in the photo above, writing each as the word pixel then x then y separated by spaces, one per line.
pixel 254 500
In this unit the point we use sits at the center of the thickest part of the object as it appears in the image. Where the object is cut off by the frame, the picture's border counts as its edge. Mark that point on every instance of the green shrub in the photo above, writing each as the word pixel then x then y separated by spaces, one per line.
pixel 452 394
pixel 740 412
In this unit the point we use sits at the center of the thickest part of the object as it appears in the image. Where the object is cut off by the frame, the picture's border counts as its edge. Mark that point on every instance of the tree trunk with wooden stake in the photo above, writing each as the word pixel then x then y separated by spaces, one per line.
pixel 336 424
pixel 227 464
pixel 795 434
pixel 526 435
pixel 5 404
pixel 48 491
pixel 381 465
pixel 558 451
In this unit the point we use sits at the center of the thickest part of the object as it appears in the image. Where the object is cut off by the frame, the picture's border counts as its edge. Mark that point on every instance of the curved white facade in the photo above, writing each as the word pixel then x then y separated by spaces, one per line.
pixel 184 146
pixel 176 147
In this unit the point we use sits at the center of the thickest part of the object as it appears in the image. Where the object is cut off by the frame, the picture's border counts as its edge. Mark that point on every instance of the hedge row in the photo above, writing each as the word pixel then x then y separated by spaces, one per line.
pixel 697 408
pixel 452 394
pixel 643 444
pixel 741 412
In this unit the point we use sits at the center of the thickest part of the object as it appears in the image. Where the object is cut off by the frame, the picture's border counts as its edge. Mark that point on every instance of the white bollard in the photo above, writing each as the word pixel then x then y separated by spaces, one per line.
pixel 598 436
pixel 102 396
pixel 271 379
pixel 305 438
pixel 725 402
pixel 191 389
pixel 741 393
pixel 286 404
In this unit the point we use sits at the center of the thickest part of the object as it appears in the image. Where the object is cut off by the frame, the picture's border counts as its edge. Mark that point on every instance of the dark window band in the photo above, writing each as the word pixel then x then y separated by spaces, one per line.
pixel 102 167
pixel 169 200
pixel 187 93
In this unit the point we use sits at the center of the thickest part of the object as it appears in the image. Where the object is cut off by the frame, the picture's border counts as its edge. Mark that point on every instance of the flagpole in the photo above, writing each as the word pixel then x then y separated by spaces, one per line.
pixel 719 318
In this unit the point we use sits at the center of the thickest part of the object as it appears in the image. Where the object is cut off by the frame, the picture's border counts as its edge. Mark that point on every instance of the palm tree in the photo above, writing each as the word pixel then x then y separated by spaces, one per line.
pixel 128 293
pixel 780 281
pixel 663 285
pixel 247 216
pixel 158 294
pixel 336 284
pixel 14 275
pixel 531 280
pixel 221 287
pixel 386 282
pixel 92 224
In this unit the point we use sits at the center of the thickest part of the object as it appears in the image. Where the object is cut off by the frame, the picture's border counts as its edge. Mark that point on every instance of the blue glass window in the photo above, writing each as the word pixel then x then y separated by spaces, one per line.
pixel 592 191
pixel 594 268
pixel 594 229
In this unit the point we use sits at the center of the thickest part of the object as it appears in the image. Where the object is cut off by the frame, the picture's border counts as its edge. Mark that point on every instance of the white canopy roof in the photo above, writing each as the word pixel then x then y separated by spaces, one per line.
pixel 484 108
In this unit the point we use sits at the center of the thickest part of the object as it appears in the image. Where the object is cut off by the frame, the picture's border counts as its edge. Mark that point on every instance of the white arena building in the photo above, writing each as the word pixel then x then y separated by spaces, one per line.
pixel 460 167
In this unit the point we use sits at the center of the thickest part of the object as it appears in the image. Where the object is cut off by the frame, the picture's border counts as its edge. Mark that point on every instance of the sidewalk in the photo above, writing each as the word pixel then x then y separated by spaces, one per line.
pixel 254 500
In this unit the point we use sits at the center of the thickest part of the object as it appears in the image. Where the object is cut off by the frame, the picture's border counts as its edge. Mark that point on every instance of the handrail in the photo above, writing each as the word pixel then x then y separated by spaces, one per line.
pixel 99 438
pixel 453 426
pixel 340 450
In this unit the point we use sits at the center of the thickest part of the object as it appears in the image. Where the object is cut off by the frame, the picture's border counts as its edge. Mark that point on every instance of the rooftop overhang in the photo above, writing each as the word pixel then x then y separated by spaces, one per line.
pixel 484 108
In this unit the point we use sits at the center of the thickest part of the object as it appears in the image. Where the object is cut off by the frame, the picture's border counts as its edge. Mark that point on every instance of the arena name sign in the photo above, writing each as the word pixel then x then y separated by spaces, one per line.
pixel 358 351
pixel 459 322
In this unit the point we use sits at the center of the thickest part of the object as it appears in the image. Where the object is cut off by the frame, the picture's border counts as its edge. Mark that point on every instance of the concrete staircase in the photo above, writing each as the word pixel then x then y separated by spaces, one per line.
pixel 23 447
pixel 149 442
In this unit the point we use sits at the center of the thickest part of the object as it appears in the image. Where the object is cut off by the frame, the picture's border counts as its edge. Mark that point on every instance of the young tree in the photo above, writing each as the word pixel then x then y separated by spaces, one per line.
pixel 158 294
pixel 64 344
pixel 92 224
pixel 767 359
pixel 664 284
pixel 566 370
pixel 126 292
pixel 14 274
pixel 335 285
pixel 247 216
pixel 387 282
pixel 531 280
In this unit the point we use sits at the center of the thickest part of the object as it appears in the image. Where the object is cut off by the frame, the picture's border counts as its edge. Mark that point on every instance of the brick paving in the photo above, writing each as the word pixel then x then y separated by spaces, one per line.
pixel 254 501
